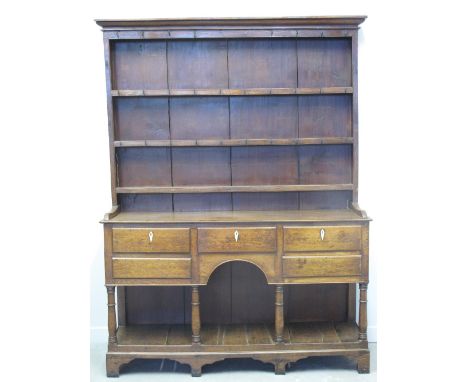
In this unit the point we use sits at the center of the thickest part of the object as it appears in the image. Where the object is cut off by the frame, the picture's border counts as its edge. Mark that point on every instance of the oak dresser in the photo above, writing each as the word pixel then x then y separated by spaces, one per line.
pixel 235 230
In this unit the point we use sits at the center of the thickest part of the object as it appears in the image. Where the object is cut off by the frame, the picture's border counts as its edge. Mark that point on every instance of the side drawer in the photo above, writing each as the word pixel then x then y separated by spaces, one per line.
pixel 151 268
pixel 324 265
pixel 231 239
pixel 322 238
pixel 156 240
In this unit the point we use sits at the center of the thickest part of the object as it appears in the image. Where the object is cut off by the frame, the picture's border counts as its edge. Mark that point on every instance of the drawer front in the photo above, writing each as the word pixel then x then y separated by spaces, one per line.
pixel 325 238
pixel 156 240
pixel 224 240
pixel 322 266
pixel 151 268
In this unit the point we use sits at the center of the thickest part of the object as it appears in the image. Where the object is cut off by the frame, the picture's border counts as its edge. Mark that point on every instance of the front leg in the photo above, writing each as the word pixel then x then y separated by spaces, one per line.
pixel 363 363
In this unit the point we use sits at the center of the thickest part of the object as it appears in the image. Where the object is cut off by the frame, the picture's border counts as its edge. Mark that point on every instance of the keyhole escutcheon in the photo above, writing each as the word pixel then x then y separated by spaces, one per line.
pixel 322 234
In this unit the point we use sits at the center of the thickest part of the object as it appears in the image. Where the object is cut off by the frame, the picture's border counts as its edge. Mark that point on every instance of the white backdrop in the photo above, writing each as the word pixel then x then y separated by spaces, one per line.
pixel 55 175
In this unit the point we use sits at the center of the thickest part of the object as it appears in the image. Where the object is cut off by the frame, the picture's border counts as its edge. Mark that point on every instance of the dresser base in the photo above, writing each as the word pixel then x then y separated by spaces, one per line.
pixel 280 358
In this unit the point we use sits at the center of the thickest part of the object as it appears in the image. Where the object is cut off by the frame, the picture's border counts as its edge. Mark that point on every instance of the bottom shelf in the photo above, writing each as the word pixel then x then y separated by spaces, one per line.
pixel 239 334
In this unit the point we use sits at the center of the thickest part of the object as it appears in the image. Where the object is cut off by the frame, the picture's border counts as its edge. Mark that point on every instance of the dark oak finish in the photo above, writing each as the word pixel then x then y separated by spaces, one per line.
pixel 235 229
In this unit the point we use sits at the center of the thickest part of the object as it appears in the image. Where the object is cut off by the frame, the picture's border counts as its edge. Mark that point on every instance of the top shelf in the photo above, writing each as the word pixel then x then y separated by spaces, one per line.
pixel 231 92
pixel 293 216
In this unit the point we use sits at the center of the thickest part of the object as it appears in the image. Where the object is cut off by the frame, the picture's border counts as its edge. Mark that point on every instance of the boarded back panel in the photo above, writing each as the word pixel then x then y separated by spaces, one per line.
pixel 197 64
pixel 316 302
pixel 265 201
pixel 333 200
pixel 201 166
pixel 264 117
pixel 325 116
pixel 145 202
pixel 144 166
pixel 325 164
pixel 324 62
pixel 202 202
pixel 199 118
pixel 262 64
pixel 140 65
pixel 264 165
pixel 155 305
pixel 140 118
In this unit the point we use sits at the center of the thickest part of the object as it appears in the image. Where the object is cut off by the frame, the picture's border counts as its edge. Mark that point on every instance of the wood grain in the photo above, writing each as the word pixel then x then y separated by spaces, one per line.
pixel 236 334
pixel 223 240
pixel 232 91
pixel 162 240
pixel 262 63
pixel 324 62
pixel 335 238
pixel 191 189
pixel 141 118
pixel 197 64
pixel 201 166
pixel 327 265
pixel 235 142
pixel 149 268
pixel 252 299
pixel 325 116
pixel 263 117
pixel 325 164
pixel 199 118
pixel 310 216
pixel 144 167
pixel 253 165
pixel 139 65
pixel 315 302
pixel 155 305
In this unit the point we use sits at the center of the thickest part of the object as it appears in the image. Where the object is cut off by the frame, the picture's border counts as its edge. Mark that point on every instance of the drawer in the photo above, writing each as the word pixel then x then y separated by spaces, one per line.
pixel 322 238
pixel 156 240
pixel 325 265
pixel 151 268
pixel 222 240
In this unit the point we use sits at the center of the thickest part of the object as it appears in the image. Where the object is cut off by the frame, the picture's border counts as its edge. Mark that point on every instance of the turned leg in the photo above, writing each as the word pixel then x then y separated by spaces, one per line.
pixel 111 318
pixel 280 367
pixel 279 314
pixel 363 311
pixel 196 325
pixel 363 363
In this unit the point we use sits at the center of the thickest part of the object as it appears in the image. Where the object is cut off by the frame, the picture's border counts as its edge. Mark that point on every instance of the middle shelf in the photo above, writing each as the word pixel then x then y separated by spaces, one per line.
pixel 231 92
pixel 256 188
pixel 235 142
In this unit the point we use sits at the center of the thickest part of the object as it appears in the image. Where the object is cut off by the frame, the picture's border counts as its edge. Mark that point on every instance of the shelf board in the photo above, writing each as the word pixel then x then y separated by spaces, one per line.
pixel 235 142
pixel 239 334
pixel 230 92
pixel 250 188
pixel 272 216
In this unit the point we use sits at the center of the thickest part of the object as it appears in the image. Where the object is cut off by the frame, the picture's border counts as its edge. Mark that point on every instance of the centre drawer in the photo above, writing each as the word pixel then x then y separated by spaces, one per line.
pixel 152 240
pixel 231 239
pixel 322 238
